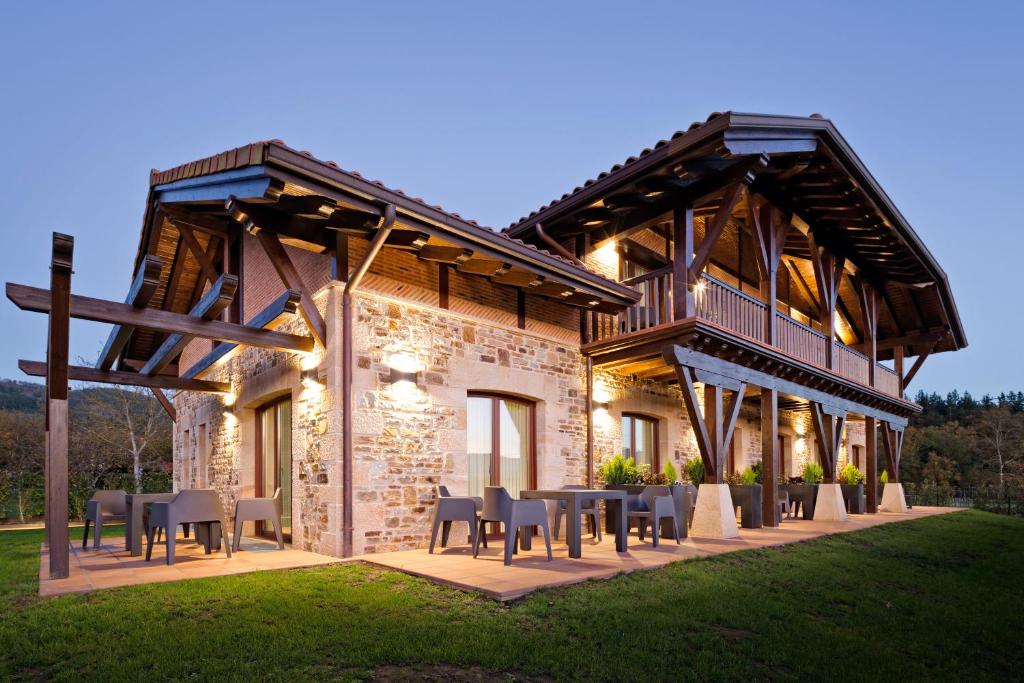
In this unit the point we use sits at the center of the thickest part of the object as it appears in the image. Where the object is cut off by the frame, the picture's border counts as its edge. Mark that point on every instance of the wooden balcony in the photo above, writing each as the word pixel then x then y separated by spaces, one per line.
pixel 745 316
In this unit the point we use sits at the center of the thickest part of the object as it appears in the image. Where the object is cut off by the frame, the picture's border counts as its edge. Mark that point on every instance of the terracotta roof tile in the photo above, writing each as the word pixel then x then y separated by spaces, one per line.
pixel 255 153
pixel 614 169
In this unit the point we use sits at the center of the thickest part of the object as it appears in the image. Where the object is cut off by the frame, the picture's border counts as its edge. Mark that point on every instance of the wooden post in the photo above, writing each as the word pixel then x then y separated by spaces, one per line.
pixel 770 232
pixel 714 420
pixel 828 272
pixel 770 457
pixel 683 303
pixel 897 361
pixel 57 406
pixel 871 464
pixel 892 440
pixel 869 317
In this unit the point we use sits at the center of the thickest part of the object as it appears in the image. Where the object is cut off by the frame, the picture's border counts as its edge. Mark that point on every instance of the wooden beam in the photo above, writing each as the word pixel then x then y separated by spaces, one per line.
pixel 691 402
pixel 441 254
pixel 165 403
pixel 289 275
pixel 209 307
pixel 676 355
pixel 928 336
pixel 828 271
pixel 57 433
pixel 443 285
pixel 921 358
pixel 87 308
pixel 144 286
pixel 868 298
pixel 269 318
pixel 828 429
pixel 714 230
pixel 82 373
pixel 198 253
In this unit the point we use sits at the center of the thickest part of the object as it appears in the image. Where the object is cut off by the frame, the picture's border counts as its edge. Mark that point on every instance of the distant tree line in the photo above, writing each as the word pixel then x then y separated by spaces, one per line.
pixel 120 438
pixel 962 442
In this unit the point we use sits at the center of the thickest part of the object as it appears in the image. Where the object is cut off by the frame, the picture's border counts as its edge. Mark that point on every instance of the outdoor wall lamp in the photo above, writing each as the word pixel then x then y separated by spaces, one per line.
pixel 410 376
pixel 310 378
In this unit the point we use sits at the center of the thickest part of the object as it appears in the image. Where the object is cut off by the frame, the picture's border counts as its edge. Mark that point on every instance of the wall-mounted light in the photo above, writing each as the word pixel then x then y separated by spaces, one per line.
pixel 311 378
pixel 405 367
pixel 229 399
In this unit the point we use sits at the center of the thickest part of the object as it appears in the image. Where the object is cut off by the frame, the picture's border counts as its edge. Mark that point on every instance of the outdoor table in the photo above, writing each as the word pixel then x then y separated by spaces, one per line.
pixel 615 505
pixel 133 527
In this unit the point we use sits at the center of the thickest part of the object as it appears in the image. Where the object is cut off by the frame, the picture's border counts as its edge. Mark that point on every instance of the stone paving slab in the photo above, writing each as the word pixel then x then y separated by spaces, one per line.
pixel 530 570
pixel 110 566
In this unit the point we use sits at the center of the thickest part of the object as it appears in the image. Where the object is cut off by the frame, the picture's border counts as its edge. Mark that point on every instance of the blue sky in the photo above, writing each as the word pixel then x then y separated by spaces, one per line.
pixel 494 109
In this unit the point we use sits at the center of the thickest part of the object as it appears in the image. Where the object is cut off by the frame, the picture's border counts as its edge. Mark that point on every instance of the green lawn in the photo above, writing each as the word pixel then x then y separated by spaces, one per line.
pixel 934 598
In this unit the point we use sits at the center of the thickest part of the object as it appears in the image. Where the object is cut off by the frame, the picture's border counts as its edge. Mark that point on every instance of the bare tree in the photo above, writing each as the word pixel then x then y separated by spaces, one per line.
pixel 1000 438
pixel 121 424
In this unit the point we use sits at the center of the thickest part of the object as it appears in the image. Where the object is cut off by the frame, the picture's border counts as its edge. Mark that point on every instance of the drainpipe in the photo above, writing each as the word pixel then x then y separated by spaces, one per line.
pixel 559 249
pixel 383 230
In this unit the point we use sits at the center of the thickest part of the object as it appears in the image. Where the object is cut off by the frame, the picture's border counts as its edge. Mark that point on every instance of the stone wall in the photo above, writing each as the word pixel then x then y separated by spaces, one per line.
pixel 407 439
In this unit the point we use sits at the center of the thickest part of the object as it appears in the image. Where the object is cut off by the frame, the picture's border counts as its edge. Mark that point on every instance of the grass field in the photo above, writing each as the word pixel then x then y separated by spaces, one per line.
pixel 937 598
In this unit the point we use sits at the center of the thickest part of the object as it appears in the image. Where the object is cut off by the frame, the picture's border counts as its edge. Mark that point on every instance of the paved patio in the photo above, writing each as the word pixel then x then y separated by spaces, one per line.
pixel 530 571
pixel 111 566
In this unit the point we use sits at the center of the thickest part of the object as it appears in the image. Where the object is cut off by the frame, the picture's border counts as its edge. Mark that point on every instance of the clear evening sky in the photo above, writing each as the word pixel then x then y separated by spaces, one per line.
pixel 492 109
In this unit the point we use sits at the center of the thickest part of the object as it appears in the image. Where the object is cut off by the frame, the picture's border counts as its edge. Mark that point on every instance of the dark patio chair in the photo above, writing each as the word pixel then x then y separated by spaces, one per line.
pixel 103 507
pixel 513 515
pixel 590 510
pixel 660 505
pixel 196 506
pixel 259 510
pixel 448 509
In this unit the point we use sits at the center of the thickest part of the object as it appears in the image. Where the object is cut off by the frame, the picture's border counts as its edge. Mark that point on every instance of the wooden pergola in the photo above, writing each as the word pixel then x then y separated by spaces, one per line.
pixel 60 305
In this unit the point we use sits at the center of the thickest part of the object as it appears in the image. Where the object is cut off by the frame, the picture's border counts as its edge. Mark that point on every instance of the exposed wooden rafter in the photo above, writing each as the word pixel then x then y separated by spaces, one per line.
pixel 37 300
pixel 82 373
pixel 208 308
pixel 144 286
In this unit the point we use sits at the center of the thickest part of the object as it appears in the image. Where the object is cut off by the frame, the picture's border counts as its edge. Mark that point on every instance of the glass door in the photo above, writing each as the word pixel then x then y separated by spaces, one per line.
pixel 274 461
pixel 500 444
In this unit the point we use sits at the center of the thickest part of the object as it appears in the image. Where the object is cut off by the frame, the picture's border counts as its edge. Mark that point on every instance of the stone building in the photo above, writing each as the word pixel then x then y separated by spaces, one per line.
pixel 748 262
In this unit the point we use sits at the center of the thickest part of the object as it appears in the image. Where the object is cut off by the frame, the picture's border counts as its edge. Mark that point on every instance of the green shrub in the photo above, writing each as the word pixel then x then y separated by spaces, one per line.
pixel 758 472
pixel 748 477
pixel 649 478
pixel 619 471
pixel 813 474
pixel 885 477
pixel 851 474
pixel 670 472
pixel 695 471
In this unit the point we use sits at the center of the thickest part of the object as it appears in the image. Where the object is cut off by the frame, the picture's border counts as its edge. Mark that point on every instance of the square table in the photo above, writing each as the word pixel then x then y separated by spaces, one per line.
pixel 133 526
pixel 615 508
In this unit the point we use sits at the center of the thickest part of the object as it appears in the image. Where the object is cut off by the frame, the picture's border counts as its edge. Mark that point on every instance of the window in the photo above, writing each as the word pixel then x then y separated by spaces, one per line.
pixel 274 461
pixel 640 440
pixel 500 443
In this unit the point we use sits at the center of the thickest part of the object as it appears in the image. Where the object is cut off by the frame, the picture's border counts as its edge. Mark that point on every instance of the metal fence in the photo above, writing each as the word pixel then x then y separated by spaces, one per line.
pixel 1009 501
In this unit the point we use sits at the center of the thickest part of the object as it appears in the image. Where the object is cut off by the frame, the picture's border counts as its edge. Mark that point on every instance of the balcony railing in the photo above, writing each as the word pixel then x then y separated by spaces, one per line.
pixel 743 314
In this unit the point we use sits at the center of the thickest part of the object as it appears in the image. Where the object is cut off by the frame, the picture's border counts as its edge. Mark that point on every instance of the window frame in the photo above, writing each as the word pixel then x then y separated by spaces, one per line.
pixel 655 439
pixel 496 398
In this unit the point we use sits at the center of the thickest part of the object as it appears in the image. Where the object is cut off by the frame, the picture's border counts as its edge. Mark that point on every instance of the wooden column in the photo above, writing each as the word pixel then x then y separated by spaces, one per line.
pixel 869 319
pixel 683 302
pixel 770 457
pixel 57 406
pixel 828 271
pixel 897 362
pixel 339 264
pixel 871 464
pixel 770 230
pixel 892 440
pixel 828 423
pixel 714 427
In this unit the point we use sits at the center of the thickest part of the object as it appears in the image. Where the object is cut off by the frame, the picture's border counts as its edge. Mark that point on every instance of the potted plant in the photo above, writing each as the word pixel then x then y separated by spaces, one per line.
pixel 622 474
pixel 851 481
pixel 694 470
pixel 746 491
pixel 803 490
